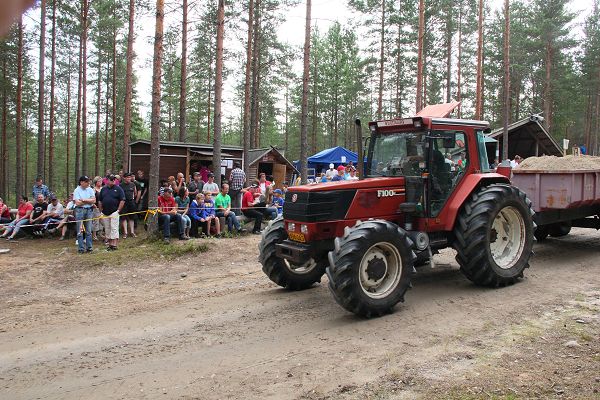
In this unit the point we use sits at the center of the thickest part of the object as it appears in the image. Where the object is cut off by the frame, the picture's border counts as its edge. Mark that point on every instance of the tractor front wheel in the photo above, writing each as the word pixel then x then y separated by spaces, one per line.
pixel 494 235
pixel 370 268
pixel 281 271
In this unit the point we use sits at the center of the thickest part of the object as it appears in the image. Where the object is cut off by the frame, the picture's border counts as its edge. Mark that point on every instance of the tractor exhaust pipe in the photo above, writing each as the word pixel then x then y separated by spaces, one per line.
pixel 360 162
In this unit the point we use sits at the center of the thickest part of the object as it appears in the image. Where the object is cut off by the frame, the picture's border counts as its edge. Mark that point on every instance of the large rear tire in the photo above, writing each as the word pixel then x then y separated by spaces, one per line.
pixel 370 268
pixel 494 235
pixel 281 271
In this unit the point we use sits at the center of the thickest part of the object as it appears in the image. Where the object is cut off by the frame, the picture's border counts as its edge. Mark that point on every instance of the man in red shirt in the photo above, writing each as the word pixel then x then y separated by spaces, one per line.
pixel 248 204
pixel 167 212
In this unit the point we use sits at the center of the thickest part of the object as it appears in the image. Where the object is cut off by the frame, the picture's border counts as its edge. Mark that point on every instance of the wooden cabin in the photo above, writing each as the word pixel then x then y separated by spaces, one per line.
pixel 273 163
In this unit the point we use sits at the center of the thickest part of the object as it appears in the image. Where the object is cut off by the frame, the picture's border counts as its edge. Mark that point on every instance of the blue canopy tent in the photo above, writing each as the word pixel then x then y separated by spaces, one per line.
pixel 320 161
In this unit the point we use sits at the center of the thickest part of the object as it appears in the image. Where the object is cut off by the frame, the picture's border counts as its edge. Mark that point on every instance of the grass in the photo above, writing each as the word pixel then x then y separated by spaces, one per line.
pixel 150 248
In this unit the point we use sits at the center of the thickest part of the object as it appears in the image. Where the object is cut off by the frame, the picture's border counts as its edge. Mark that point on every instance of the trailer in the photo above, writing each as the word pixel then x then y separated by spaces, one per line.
pixel 561 199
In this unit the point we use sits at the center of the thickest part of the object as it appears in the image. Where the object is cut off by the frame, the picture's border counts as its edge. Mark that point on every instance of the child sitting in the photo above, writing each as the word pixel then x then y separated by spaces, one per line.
pixel 210 215
pixel 278 201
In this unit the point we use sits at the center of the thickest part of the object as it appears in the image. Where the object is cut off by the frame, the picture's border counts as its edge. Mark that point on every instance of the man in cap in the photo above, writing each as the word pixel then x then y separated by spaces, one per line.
pixel 54 214
pixel 195 186
pixel 84 198
pixel 167 212
pixel 249 202
pixel 331 172
pixel 210 186
pixel 340 176
pixel 278 200
pixel 111 201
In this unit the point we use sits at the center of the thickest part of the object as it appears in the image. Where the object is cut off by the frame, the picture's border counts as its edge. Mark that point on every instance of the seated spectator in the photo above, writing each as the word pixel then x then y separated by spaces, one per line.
pixel 278 201
pixel 210 215
pixel 210 186
pixel 164 184
pixel 4 213
pixel 340 174
pixel 40 188
pixel 223 209
pixel 352 175
pixel 183 207
pixel 111 201
pixel 38 215
pixel 179 183
pixel 69 218
pixel 195 186
pixel 54 214
pixel 167 212
pixel 197 214
pixel 24 212
pixel 250 209
pixel 172 183
pixel 266 200
pixel 323 178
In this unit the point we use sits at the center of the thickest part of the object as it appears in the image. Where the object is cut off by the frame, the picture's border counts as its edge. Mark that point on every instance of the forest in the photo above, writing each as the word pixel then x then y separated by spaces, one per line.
pixel 71 99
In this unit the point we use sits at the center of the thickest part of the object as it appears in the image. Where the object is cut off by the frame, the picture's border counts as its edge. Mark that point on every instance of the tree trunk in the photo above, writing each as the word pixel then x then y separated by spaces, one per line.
pixel 287 105
pixel 128 88
pixel 315 80
pixel 419 100
pixel 255 73
pixel 547 96
pixel 479 89
pixel 98 111
pixel 68 149
pixel 52 101
pixel 218 92
pixel 155 118
pixel 4 152
pixel 381 64
pixel 106 117
pixel 78 119
pixel 84 161
pixel 506 99
pixel 459 62
pixel 449 55
pixel 304 111
pixel 182 95
pixel 398 101
pixel 208 103
pixel 41 137
pixel 246 113
pixel 18 147
pixel 113 150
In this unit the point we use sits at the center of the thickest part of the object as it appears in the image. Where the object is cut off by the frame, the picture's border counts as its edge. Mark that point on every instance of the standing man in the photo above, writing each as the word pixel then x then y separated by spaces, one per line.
pixel 130 191
pixel 210 186
pixel 195 186
pixel 237 178
pixel 142 195
pixel 331 172
pixel 223 206
pixel 84 198
pixel 111 201
pixel 40 188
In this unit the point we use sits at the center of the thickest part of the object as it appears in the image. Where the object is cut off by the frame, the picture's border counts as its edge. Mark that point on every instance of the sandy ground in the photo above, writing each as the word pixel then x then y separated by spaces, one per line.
pixel 212 326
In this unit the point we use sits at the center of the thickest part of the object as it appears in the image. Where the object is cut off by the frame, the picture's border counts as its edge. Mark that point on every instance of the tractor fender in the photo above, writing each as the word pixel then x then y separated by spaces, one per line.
pixel 464 190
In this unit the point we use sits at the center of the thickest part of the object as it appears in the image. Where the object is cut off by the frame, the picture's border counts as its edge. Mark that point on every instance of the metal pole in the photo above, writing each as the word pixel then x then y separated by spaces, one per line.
pixel 359 149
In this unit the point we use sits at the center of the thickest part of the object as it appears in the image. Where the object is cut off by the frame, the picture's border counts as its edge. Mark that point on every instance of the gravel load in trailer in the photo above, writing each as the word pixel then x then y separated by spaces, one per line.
pixel 566 163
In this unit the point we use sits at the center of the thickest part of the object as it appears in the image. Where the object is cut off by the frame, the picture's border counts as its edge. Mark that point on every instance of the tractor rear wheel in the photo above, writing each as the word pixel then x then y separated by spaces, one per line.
pixel 494 235
pixel 281 271
pixel 370 268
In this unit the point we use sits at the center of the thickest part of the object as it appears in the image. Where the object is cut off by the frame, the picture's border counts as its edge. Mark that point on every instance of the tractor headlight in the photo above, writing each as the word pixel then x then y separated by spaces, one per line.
pixel 291 226
pixel 304 229
pixel 421 240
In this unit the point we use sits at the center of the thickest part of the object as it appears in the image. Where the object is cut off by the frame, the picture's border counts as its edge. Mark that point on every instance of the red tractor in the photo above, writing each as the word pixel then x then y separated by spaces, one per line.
pixel 427 185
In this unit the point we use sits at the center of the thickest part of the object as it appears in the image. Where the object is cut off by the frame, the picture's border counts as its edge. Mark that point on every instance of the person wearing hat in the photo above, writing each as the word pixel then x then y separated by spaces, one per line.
pixel 330 173
pixel 111 201
pixel 250 207
pixel 278 201
pixel 210 186
pixel 84 198
pixel 167 213
pixel 195 186
pixel 54 214
pixel 340 176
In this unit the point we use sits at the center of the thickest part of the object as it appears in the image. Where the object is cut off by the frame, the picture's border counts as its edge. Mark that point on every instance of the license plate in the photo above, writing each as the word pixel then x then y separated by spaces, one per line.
pixel 297 237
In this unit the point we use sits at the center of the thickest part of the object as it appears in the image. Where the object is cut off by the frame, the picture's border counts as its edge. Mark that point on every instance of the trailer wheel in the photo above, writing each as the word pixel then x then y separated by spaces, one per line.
pixel 541 232
pixel 281 271
pixel 370 268
pixel 494 235
pixel 559 229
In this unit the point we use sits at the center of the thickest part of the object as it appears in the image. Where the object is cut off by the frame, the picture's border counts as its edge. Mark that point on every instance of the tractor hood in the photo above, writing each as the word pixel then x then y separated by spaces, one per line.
pixel 369 183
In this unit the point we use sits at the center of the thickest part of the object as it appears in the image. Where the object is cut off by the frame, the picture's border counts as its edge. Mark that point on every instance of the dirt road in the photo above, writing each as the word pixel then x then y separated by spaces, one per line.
pixel 211 326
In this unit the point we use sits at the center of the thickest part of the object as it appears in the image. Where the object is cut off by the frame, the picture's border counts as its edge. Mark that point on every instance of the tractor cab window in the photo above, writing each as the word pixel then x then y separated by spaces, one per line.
pixel 447 163
pixel 398 154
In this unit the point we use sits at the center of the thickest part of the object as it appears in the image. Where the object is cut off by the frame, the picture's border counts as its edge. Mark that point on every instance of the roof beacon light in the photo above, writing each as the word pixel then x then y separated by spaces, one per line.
pixel 418 123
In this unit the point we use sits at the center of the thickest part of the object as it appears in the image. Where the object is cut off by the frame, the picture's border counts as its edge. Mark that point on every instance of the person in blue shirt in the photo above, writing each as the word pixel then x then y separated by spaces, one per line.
pixel 197 214
pixel 278 201
pixel 84 198
pixel 40 188
pixel 210 215
pixel 340 175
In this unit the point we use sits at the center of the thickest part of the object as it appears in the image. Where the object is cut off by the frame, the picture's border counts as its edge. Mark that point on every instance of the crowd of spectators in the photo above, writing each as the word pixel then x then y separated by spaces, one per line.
pixel 341 173
pixel 108 208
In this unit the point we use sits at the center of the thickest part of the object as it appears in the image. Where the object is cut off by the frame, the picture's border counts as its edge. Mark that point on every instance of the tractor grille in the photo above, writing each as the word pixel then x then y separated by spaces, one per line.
pixel 317 206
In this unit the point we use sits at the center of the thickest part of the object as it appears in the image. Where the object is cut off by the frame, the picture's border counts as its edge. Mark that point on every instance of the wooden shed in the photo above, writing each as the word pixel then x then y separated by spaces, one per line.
pixel 182 157
pixel 273 163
